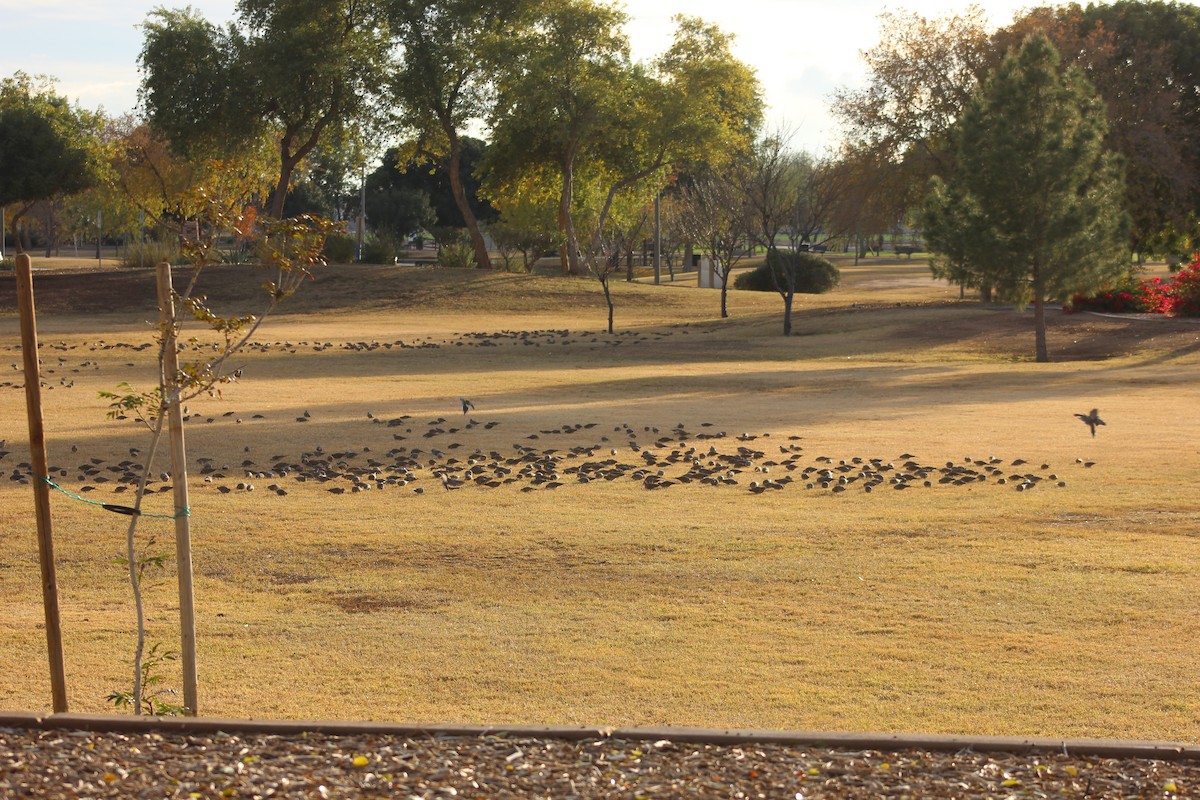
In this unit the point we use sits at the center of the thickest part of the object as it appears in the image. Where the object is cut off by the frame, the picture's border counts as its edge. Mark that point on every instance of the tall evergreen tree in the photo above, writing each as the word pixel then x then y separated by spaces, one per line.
pixel 1034 206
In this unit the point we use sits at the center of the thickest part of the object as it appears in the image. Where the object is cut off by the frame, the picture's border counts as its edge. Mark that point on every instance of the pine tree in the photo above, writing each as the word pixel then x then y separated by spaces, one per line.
pixel 1033 209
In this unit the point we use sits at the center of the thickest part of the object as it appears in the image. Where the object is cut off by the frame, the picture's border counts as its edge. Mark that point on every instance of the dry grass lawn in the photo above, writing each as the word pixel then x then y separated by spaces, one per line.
pixel 1060 610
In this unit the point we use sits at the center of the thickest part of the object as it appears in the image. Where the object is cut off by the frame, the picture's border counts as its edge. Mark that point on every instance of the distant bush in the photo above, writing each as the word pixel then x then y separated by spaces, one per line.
pixel 7 264
pixel 814 275
pixel 459 255
pixel 237 255
pixel 150 254
pixel 382 248
pixel 340 249
pixel 454 247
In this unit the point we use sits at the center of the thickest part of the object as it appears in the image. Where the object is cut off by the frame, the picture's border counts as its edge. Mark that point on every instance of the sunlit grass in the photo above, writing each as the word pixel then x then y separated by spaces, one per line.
pixel 1060 611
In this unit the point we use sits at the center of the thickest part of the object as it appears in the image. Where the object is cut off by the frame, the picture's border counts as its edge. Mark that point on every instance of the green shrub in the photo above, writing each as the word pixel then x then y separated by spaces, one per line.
pixel 7 264
pixel 382 248
pixel 237 255
pixel 340 249
pixel 459 254
pixel 814 275
pixel 150 254
pixel 454 247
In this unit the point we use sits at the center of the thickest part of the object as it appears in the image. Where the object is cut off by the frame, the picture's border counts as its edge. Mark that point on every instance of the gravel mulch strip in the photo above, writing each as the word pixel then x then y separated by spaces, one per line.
pixel 63 762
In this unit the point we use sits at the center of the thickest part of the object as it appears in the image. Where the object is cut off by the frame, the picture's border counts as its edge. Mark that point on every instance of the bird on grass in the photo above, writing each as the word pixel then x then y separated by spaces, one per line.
pixel 1091 420
pixel 467 405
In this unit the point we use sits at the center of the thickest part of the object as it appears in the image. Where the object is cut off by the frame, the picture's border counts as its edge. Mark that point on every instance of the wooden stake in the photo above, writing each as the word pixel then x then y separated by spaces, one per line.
pixel 183 529
pixel 41 489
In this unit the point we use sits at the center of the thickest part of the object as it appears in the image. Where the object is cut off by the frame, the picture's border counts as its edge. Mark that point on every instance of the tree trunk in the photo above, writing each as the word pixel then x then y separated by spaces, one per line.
pixel 574 266
pixel 725 294
pixel 787 314
pixel 1039 329
pixel 19 234
pixel 1039 315
pixel 483 259
pixel 51 230
pixel 279 196
pixel 608 299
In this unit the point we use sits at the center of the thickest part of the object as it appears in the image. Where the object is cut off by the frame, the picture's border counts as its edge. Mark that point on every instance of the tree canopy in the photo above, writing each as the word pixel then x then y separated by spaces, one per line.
pixel 444 82
pixel 299 71
pixel 1033 206
pixel 1141 57
pixel 47 148
pixel 611 128
pixel 571 74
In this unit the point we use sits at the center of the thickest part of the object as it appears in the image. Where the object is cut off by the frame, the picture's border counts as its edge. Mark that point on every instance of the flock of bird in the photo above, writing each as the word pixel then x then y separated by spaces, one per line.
pixel 654 458
pixel 658 461
pixel 59 373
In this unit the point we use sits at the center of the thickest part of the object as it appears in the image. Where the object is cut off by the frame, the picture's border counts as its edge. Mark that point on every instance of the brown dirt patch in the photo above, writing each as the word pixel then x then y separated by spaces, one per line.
pixel 375 603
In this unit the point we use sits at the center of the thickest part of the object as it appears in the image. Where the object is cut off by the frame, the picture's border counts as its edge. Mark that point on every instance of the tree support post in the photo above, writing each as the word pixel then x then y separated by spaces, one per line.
pixel 183 530
pixel 41 489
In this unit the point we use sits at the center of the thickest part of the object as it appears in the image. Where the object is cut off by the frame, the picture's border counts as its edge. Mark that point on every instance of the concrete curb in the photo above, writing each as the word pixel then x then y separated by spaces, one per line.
pixel 1103 748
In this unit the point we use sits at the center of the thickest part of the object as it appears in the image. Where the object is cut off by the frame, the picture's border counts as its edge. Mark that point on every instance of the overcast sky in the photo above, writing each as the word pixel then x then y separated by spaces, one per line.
pixel 802 49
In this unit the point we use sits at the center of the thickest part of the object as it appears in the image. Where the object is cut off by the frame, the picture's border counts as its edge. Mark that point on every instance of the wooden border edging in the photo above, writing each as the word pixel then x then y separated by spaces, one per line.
pixel 1104 748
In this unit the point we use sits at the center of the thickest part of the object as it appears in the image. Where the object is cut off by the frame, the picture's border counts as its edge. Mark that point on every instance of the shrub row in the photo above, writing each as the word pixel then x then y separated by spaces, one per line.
pixel 1177 296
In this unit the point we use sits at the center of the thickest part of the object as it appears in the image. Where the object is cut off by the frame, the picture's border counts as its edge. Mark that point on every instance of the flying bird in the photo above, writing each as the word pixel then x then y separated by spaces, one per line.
pixel 467 405
pixel 1091 420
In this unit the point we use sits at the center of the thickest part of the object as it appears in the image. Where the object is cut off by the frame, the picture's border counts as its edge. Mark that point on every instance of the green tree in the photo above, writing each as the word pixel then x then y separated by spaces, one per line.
pixel 400 211
pixel 444 82
pixel 715 214
pixel 328 184
pixel 47 148
pixel 1142 58
pixel 623 125
pixel 771 179
pixel 1034 205
pixel 560 98
pixel 921 75
pixel 303 71
pixel 696 104
pixel 528 220
pixel 405 167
